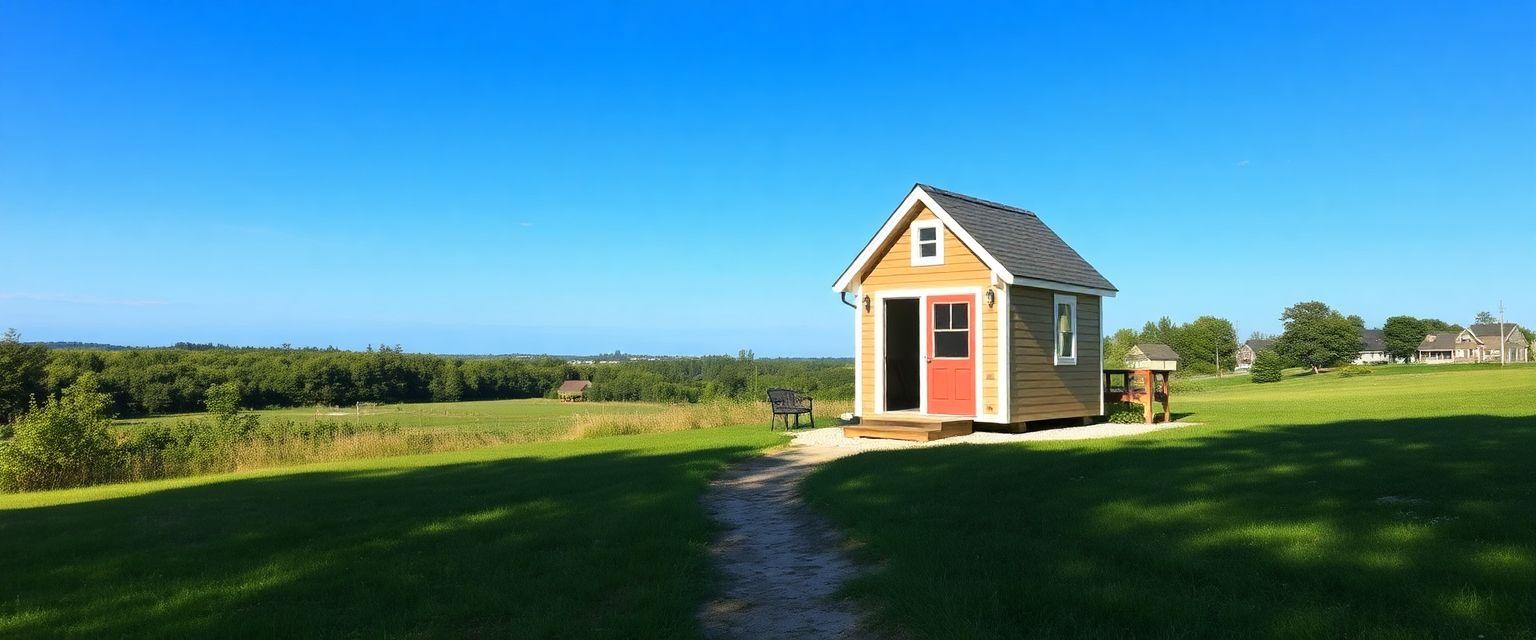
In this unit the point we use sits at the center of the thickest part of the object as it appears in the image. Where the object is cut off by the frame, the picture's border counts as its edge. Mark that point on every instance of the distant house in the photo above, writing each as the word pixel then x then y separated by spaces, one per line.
pixel 1438 348
pixel 1480 343
pixel 573 390
pixel 1373 349
pixel 1157 357
pixel 1249 351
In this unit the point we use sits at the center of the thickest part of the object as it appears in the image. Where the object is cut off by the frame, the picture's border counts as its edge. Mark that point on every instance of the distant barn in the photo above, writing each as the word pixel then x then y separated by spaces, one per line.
pixel 573 390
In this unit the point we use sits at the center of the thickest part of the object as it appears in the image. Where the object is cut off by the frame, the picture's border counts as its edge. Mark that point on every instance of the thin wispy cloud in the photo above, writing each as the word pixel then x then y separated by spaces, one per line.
pixel 1242 163
pixel 65 298
pixel 525 224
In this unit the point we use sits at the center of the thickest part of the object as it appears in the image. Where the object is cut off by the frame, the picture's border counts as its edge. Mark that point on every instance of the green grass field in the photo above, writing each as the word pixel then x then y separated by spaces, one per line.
pixel 592 538
pixel 535 416
pixel 1373 506
pixel 1386 505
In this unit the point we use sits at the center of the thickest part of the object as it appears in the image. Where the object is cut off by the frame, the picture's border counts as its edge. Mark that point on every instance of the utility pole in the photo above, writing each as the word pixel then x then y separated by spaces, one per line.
pixel 1503 339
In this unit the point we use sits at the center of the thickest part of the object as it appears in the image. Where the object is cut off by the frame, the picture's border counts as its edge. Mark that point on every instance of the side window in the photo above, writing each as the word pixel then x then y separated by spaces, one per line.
pixel 1064 322
pixel 927 243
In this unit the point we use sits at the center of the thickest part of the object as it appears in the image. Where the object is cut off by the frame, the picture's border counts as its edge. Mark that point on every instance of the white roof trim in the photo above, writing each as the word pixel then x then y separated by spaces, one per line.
pixel 917 196
pixel 1064 287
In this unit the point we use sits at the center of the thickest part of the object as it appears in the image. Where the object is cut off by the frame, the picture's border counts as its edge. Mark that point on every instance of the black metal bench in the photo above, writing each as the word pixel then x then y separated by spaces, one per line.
pixel 788 402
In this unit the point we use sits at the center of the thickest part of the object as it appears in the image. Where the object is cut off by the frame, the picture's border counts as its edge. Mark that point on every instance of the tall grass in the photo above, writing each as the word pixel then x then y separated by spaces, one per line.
pixel 690 416
pixel 200 446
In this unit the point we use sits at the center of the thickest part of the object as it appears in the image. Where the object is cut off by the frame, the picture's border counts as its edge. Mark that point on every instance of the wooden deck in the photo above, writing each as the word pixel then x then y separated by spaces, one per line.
pixel 916 428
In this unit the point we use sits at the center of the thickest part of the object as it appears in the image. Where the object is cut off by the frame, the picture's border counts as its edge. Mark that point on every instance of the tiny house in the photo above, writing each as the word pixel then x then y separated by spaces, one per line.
pixel 967 310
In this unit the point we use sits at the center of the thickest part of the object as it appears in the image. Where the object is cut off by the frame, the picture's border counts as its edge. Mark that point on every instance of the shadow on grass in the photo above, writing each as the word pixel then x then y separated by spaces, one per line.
pixel 1404 528
pixel 601 545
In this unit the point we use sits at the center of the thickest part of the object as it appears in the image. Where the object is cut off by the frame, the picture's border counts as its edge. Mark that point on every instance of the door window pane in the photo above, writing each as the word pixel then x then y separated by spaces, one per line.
pixel 952 344
pixel 941 316
pixel 960 315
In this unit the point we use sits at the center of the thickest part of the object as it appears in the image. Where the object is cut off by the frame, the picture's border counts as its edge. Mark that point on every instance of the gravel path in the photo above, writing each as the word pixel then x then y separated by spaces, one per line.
pixel 783 564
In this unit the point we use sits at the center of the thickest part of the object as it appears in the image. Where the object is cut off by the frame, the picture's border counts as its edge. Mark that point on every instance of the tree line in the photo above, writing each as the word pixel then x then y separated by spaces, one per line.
pixel 1207 345
pixel 174 380
pixel 1315 336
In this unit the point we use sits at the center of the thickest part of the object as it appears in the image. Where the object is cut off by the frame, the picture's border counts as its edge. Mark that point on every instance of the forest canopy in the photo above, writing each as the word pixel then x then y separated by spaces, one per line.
pixel 176 379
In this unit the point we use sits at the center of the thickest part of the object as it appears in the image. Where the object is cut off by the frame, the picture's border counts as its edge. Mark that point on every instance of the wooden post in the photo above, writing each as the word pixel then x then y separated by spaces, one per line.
pixel 1146 402
pixel 1167 416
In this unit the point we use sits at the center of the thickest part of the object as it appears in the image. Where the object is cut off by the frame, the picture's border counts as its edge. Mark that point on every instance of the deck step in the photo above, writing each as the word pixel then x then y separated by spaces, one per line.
pixel 914 428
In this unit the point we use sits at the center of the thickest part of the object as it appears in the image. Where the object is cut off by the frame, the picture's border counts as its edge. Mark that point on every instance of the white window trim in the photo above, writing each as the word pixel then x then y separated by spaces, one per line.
pixel 938 240
pixel 1056 302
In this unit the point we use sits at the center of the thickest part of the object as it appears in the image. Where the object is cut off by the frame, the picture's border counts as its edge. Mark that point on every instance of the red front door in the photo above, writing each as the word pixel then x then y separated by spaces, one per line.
pixel 952 355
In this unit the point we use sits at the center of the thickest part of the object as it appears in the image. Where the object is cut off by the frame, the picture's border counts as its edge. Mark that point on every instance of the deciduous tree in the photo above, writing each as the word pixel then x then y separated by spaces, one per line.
pixel 1402 335
pixel 1317 336
pixel 21 374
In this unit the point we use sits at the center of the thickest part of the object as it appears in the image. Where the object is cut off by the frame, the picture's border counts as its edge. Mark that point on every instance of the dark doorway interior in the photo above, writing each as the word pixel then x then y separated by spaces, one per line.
pixel 901 354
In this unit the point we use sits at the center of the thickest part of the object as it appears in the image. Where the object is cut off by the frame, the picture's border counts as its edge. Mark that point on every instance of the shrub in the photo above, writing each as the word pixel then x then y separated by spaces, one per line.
pixel 1267 366
pixel 64 443
pixel 223 400
pixel 1124 413
pixel 1354 370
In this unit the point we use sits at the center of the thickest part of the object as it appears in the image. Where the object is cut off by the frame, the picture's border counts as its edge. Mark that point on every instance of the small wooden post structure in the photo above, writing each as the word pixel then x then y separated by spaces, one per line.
pixel 1155 389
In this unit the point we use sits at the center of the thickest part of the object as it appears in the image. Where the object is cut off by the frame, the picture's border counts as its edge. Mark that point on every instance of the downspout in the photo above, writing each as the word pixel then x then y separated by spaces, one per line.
pixel 844 296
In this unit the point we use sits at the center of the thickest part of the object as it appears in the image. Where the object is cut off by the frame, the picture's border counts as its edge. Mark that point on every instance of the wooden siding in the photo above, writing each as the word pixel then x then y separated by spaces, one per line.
pixel 1041 389
pixel 892 269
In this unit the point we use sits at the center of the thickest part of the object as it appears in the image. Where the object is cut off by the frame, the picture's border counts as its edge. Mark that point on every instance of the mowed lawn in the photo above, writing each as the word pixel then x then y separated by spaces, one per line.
pixel 1379 506
pixel 597 538
pixel 537 417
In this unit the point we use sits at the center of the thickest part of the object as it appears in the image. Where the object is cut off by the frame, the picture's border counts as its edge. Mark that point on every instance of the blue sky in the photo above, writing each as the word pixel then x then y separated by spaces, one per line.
pixel 691 178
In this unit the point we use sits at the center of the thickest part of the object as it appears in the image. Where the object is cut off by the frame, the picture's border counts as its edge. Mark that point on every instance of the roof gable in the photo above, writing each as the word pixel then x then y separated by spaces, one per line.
pixel 1259 344
pixel 1014 243
pixel 1024 245
pixel 1155 351
pixel 1492 329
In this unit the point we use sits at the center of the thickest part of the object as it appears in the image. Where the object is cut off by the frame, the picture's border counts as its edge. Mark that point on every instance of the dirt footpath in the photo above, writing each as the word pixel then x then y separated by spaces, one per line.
pixel 782 564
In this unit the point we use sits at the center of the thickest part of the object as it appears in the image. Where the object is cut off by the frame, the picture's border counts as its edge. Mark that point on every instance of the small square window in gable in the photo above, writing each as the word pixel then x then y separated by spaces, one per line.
pixel 927 243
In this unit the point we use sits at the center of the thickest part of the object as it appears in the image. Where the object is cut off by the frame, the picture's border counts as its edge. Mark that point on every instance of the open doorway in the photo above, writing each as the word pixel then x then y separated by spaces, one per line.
pixel 902 387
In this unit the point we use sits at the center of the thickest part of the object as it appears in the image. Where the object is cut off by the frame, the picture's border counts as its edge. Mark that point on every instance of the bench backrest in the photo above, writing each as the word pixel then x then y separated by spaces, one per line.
pixel 784 398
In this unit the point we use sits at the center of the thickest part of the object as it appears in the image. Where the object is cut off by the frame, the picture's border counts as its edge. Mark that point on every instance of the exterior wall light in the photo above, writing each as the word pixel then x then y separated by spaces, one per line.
pixel 866 304
pixel 991 298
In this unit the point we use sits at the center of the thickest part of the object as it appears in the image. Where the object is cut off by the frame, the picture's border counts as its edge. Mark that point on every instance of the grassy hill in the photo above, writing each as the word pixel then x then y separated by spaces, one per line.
pixel 1373 506
pixel 593 538
pixel 1319 506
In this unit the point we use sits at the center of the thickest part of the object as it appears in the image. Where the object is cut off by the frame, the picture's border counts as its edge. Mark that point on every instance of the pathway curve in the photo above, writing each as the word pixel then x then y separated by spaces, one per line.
pixel 782 564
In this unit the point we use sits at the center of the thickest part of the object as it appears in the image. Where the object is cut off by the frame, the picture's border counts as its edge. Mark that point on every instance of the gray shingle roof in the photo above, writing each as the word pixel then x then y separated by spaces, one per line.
pixel 1487 330
pixel 1439 341
pixel 1019 240
pixel 1374 339
pixel 1259 344
pixel 1155 351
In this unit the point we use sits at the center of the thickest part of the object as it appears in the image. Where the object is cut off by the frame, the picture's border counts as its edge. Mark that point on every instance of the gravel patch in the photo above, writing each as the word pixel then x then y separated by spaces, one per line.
pixel 832 437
